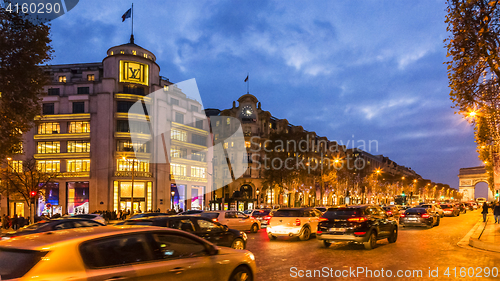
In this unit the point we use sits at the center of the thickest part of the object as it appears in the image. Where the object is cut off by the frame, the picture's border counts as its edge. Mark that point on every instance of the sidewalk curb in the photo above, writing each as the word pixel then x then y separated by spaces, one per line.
pixel 475 242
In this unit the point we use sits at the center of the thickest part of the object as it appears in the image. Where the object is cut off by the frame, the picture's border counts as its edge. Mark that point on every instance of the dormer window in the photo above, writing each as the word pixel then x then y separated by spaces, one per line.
pixel 134 52
pixel 122 52
pixel 62 79
pixel 146 55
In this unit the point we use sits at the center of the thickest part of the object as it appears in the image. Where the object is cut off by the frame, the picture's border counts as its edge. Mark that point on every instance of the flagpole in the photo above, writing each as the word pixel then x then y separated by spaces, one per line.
pixel 132 19
pixel 248 83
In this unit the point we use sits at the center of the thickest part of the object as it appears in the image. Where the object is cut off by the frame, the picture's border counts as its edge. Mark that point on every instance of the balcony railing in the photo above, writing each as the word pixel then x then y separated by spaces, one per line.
pixel 138 174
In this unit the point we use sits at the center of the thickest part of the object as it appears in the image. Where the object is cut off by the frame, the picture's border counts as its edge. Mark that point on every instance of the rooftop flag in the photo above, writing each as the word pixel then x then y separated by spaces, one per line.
pixel 127 14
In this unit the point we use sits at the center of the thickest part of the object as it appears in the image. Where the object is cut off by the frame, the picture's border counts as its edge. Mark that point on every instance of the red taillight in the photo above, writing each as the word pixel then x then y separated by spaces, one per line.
pixel 319 232
pixel 215 220
pixel 402 216
pixel 252 217
pixel 323 219
pixel 297 222
pixel 267 218
pixel 359 233
pixel 389 213
pixel 425 216
pixel 359 219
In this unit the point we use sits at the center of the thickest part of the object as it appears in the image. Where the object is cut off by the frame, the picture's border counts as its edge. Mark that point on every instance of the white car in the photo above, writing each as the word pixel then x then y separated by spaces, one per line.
pixel 293 222
pixel 121 253
pixel 234 219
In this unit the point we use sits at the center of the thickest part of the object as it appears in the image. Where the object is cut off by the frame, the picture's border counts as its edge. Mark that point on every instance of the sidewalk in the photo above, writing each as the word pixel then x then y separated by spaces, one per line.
pixel 486 235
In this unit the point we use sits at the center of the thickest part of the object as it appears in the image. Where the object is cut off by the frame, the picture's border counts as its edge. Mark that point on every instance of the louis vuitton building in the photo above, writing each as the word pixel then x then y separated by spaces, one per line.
pixel 85 137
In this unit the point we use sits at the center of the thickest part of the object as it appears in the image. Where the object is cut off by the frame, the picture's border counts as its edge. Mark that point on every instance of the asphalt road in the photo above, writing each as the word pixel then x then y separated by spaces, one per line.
pixel 419 253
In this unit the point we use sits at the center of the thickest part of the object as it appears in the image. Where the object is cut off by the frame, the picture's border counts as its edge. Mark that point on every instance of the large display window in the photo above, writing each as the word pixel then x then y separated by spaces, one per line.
pixel 78 197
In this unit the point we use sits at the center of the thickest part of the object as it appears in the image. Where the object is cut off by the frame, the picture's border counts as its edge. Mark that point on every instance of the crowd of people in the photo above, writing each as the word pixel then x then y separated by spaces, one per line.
pixel 495 206
pixel 15 222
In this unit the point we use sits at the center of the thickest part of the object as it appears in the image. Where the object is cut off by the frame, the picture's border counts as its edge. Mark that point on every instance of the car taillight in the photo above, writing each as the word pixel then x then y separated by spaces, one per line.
pixel 402 216
pixel 297 222
pixel 252 217
pixel 359 219
pixel 215 220
pixel 323 219
pixel 389 213
pixel 425 216
pixel 267 218
pixel 359 233
pixel 319 232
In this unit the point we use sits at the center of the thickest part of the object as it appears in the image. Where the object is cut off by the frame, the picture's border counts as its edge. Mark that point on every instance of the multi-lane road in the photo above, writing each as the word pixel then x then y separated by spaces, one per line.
pixel 419 253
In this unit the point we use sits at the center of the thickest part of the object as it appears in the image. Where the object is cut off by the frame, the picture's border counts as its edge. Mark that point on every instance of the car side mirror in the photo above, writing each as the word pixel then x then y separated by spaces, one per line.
pixel 225 227
pixel 212 251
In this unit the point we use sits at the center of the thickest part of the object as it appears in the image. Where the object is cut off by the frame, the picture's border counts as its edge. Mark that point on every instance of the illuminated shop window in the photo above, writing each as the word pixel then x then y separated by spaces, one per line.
pixel 129 164
pixel 177 169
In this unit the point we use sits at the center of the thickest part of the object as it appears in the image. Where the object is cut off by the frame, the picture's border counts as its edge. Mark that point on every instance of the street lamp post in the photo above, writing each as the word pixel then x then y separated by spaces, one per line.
pixel 172 199
pixel 258 202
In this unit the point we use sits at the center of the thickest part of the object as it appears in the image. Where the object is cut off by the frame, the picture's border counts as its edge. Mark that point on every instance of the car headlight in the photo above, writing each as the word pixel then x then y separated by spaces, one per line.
pixel 250 256
pixel 244 235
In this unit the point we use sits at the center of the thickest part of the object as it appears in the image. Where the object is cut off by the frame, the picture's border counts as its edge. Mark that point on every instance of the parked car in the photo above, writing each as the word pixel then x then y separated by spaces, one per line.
pixel 233 219
pixel 364 224
pixel 419 217
pixel 450 210
pixel 293 222
pixel 191 212
pixel 119 253
pixel 51 225
pixel 391 210
pixel 149 214
pixel 94 217
pixel 205 228
pixel 434 208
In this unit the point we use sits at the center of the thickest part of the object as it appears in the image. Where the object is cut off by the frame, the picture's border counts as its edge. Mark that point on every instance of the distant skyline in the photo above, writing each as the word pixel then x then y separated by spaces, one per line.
pixel 348 70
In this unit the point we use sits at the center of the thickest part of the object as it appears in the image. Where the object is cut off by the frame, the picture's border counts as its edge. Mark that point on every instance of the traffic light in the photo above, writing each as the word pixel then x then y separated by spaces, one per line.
pixel 32 194
pixel 403 194
pixel 496 195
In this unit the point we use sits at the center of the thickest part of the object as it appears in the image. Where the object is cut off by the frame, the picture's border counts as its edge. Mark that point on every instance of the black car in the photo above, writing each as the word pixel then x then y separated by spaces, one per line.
pixel 364 224
pixel 145 215
pixel 419 217
pixel 212 231
pixel 51 225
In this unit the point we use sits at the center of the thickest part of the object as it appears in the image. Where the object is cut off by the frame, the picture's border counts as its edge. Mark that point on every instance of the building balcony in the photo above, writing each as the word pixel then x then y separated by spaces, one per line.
pixel 188 144
pixel 134 135
pixel 75 136
pixel 133 116
pixel 189 128
pixel 61 155
pixel 64 117
pixel 137 174
pixel 177 160
pixel 132 97
pixel 186 178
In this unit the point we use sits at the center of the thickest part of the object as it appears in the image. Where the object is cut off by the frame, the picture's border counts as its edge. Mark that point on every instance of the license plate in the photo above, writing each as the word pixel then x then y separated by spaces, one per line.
pixel 334 229
pixel 412 219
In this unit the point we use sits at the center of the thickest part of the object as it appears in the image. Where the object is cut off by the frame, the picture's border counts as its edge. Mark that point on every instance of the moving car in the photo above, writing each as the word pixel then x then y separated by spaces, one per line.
pixel 434 208
pixel 450 210
pixel 51 225
pixel 121 253
pixel 145 215
pixel 233 219
pixel 94 217
pixel 419 217
pixel 293 222
pixel 262 215
pixel 191 212
pixel 363 224
pixel 212 231
pixel 391 210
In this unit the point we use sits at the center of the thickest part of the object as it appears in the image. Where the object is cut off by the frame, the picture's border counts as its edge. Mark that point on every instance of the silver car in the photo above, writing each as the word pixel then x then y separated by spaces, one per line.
pixel 121 253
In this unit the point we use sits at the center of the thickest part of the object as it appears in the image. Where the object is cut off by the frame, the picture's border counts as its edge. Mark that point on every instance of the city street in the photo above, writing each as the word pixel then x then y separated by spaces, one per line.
pixel 415 249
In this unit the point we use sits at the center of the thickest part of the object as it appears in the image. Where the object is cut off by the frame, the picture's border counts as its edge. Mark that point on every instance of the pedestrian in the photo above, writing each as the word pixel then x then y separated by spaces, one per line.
pixel 14 222
pixel 496 212
pixel 20 221
pixel 485 211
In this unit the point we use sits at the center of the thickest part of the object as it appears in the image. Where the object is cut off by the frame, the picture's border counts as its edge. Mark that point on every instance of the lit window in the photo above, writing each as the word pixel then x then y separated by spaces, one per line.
pixel 232 144
pixel 178 152
pixel 90 77
pixel 228 121
pixel 178 135
pixel 128 145
pixel 80 165
pixel 177 169
pixel 79 127
pixel 198 172
pixel 48 128
pixel 112 53
pixel 16 166
pixel 48 147
pixel 146 55
pixel 248 144
pixel 217 124
pixel 122 52
pixel 62 79
pixel 225 145
pixel 138 165
pixel 49 166
pixel 165 88
pixel 78 146
pixel 270 125
pixel 134 52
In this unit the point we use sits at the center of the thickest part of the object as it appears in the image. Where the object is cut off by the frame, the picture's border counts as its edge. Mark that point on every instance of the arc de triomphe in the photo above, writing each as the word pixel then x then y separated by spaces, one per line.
pixel 468 178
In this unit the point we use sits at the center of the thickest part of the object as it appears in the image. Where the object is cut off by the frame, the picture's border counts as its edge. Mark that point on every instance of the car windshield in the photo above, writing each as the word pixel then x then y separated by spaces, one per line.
pixel 210 215
pixel 35 226
pixel 416 211
pixel 15 263
pixel 261 213
pixel 289 213
pixel 338 212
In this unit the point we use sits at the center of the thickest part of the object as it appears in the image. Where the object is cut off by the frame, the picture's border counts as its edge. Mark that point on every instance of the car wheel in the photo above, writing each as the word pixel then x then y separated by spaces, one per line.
pixel 306 234
pixel 438 221
pixel 241 273
pixel 271 237
pixel 238 244
pixel 254 228
pixel 326 243
pixel 394 235
pixel 430 225
pixel 372 241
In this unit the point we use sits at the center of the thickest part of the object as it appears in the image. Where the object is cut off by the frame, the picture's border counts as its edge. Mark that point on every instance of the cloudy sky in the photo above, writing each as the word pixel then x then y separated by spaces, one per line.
pixel 362 70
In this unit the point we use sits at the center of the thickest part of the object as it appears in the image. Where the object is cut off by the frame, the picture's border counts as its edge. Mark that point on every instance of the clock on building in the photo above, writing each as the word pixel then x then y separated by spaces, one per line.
pixel 247 111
